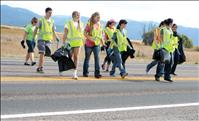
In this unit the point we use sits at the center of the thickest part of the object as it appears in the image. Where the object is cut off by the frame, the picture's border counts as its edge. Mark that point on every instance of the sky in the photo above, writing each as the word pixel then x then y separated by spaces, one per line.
pixel 183 12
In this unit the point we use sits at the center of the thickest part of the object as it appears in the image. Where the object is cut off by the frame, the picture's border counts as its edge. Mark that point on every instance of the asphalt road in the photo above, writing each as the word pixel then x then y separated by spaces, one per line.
pixel 62 94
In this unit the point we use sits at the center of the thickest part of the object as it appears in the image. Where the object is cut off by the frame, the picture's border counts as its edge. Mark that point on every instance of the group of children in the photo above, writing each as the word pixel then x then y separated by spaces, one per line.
pixel 92 36
pixel 166 44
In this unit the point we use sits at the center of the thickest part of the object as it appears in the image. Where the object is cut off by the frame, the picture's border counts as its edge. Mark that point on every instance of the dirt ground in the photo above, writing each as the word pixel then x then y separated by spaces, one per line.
pixel 11 37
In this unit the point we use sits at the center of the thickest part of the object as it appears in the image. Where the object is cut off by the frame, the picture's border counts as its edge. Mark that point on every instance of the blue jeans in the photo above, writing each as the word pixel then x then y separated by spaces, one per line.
pixel 88 51
pixel 159 69
pixel 117 62
pixel 152 64
pixel 167 69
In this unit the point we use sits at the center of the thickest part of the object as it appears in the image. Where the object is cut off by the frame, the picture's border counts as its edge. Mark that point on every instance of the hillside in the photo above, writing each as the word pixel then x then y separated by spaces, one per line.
pixel 21 17
pixel 11 37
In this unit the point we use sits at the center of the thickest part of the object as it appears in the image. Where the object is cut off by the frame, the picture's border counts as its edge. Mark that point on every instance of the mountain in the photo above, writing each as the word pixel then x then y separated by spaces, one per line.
pixel 16 16
pixel 21 17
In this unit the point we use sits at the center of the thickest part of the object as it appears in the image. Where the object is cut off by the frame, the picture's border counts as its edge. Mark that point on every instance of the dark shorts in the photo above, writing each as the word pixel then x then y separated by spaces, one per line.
pixel 31 46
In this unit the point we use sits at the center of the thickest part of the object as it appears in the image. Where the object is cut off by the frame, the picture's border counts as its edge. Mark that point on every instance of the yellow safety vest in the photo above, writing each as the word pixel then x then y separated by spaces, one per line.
pixel 121 41
pixel 167 40
pixel 175 42
pixel 156 44
pixel 109 32
pixel 74 36
pixel 96 34
pixel 46 31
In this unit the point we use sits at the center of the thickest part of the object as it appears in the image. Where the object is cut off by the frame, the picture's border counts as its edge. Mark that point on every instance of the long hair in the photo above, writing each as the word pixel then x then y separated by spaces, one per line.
pixel 168 21
pixel 122 21
pixel 161 23
pixel 108 23
pixel 118 26
pixel 91 20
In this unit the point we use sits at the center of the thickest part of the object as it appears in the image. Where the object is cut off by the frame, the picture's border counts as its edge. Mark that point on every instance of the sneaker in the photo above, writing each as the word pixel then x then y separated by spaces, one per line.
pixel 75 77
pixel 174 74
pixel 112 75
pixel 40 70
pixel 85 75
pixel 26 64
pixel 98 76
pixel 124 75
pixel 147 69
pixel 33 63
pixel 169 80
pixel 157 78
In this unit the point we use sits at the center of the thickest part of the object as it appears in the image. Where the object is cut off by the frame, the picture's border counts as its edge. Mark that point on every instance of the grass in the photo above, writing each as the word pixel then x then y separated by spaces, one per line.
pixel 11 37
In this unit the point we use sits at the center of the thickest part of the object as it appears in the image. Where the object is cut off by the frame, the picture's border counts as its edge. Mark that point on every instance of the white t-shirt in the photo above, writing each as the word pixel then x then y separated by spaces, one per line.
pixel 123 31
pixel 49 20
pixel 75 24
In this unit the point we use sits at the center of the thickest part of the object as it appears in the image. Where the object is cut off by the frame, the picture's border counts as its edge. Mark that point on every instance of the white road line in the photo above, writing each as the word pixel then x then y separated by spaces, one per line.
pixel 13 116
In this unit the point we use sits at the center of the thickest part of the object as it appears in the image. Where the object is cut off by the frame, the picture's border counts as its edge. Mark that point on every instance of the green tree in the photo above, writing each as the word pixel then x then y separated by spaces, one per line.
pixel 147 34
pixel 148 38
pixel 187 42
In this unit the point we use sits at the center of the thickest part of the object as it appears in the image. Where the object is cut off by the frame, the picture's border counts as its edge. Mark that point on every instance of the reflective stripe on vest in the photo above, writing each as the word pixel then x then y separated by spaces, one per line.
pixel 46 31
pixel 97 34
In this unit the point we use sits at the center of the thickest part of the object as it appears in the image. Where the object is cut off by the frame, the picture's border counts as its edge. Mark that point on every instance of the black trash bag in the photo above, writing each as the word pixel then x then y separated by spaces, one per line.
pixel 162 55
pixel 102 48
pixel 63 56
pixel 176 56
pixel 156 55
pixel 182 57
pixel 65 64
pixel 63 51
pixel 129 41
pixel 58 54
pixel 129 53
pixel 47 51
pixel 23 44
pixel 130 50
pixel 165 56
